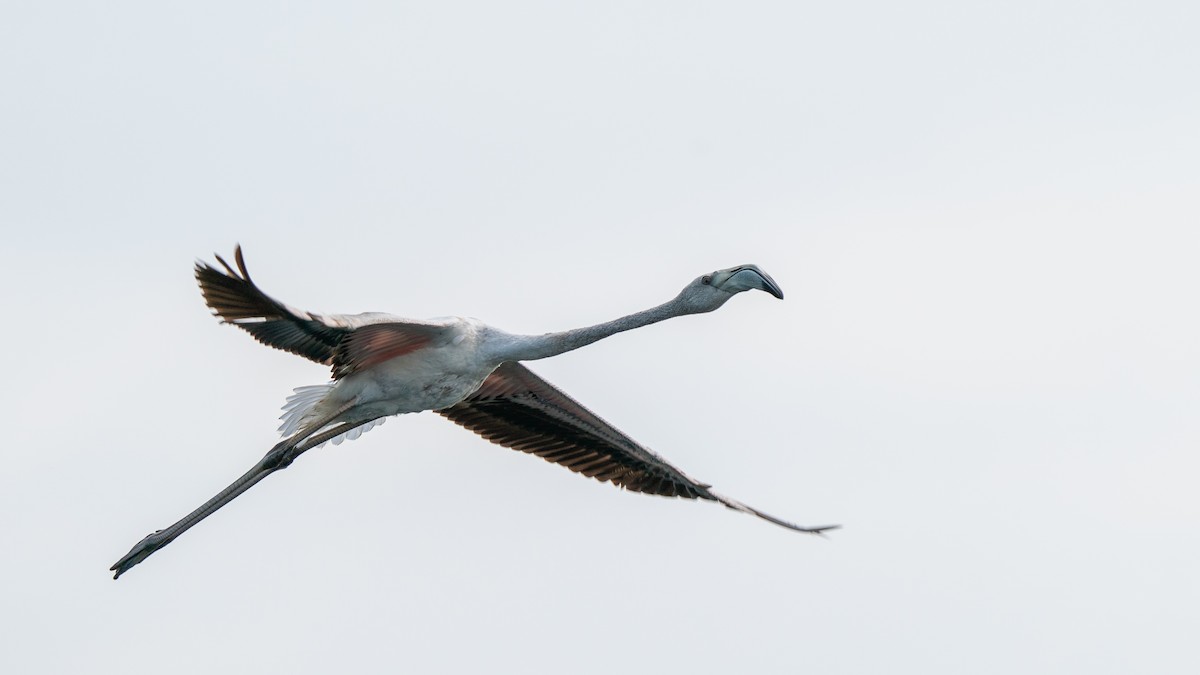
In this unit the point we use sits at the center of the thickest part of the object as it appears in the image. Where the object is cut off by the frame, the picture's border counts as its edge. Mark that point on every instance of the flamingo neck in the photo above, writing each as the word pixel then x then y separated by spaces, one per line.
pixel 533 347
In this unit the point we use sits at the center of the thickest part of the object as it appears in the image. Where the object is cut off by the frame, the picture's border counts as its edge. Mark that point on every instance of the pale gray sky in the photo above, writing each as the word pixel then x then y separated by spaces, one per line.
pixel 987 367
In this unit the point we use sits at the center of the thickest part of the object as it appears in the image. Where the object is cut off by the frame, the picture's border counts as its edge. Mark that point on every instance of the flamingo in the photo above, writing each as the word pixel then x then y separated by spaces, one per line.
pixel 461 368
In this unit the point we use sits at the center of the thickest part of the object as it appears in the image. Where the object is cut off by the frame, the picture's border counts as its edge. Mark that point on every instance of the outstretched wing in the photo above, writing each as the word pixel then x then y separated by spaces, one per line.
pixel 347 343
pixel 234 297
pixel 519 410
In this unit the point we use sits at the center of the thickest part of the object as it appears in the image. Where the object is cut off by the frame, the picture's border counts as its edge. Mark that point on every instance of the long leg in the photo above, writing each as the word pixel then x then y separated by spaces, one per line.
pixel 279 457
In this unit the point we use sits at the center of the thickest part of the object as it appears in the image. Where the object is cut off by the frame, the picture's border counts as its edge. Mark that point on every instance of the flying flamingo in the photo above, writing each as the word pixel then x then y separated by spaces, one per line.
pixel 463 369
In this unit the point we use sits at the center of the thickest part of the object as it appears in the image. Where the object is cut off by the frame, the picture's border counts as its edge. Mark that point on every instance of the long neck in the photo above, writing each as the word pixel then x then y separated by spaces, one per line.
pixel 531 347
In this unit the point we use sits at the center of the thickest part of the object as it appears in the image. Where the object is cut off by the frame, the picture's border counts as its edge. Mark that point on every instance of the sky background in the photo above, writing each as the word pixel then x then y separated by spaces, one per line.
pixel 985 217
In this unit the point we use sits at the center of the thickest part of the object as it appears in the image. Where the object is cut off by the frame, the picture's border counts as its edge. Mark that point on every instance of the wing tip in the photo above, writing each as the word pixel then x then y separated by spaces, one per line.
pixel 738 506
pixel 241 261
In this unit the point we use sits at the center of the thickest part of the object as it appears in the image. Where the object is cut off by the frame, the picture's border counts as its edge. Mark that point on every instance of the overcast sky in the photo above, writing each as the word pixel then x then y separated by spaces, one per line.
pixel 985 218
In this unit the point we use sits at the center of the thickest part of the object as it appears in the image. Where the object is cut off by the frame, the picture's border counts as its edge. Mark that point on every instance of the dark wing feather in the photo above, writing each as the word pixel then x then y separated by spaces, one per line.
pixel 348 343
pixel 235 298
pixel 519 410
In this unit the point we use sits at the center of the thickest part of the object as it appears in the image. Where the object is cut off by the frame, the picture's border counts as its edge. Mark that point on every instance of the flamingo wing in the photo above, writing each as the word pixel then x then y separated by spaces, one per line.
pixel 347 343
pixel 517 409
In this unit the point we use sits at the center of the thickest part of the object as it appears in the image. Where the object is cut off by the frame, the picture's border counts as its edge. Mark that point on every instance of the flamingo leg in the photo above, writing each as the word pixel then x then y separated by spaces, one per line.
pixel 278 457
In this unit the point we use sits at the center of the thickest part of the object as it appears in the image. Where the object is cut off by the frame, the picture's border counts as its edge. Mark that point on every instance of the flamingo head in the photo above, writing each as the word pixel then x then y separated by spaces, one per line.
pixel 714 289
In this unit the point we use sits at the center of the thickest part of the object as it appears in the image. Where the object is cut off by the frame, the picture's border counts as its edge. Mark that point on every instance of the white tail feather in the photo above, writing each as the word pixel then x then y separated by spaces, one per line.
pixel 298 410
pixel 356 431
pixel 299 406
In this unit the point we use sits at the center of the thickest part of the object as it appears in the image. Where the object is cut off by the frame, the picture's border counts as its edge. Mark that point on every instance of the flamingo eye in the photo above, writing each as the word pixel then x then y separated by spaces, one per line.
pixel 707 279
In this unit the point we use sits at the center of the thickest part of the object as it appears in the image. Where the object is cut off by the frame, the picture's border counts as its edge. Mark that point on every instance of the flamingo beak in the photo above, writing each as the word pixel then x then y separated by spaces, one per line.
pixel 750 276
pixel 769 285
